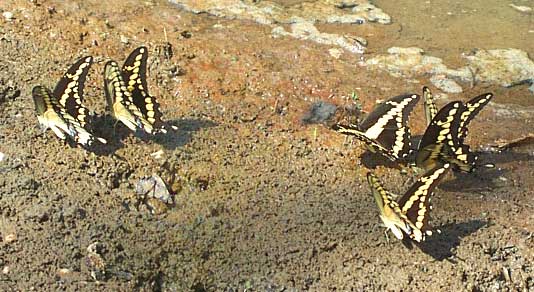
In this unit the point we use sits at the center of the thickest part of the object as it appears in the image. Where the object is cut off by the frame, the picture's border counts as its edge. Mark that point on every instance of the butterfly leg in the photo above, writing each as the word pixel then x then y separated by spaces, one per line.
pixel 115 127
pixel 387 236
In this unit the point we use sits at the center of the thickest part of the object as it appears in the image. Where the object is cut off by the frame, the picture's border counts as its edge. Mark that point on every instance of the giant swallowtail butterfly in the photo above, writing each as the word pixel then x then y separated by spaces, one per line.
pixel 62 110
pixel 385 129
pixel 410 214
pixel 127 94
pixel 444 137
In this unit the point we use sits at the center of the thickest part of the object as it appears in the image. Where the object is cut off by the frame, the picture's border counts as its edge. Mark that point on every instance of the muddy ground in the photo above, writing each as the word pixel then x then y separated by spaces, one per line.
pixel 263 200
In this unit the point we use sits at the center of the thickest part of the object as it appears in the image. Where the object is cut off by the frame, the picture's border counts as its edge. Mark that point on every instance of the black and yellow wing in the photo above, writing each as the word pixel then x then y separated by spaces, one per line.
pixel 440 143
pixel 371 144
pixel 429 105
pixel 386 128
pixel 69 90
pixel 471 109
pixel 411 213
pixel 134 73
pixel 415 203
pixel 389 211
pixel 50 114
pixel 119 99
pixel 62 110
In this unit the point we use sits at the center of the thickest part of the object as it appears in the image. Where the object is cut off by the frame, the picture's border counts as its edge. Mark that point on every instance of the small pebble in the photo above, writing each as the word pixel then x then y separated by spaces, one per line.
pixel 5 270
pixel 63 272
pixel 8 15
pixel 124 39
pixel 524 9
pixel 10 238
pixel 336 53
pixel 158 154
pixel 2 156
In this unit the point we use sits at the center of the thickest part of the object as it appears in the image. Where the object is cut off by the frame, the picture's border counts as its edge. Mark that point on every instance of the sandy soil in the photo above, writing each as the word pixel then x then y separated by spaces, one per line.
pixel 264 201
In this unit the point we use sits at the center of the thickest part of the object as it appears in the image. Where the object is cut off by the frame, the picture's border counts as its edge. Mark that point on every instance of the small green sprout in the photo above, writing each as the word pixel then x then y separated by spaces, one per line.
pixel 356 99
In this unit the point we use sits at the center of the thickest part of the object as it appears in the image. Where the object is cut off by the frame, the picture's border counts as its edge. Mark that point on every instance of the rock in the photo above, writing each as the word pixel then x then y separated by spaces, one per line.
pixel 8 15
pixel 153 192
pixel 94 262
pixel 445 84
pixel 409 63
pixel 158 154
pixel 524 9
pixel 336 53
pixel 319 112
pixel 305 30
pixel 505 67
pixel 64 272
pixel 2 156
pixel 10 238
pixel 124 39
pixel 269 12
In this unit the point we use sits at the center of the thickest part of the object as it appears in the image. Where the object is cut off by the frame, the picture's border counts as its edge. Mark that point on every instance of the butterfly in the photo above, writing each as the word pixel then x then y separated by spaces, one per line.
pixel 385 129
pixel 410 214
pixel 446 132
pixel 62 110
pixel 127 94
pixel 440 142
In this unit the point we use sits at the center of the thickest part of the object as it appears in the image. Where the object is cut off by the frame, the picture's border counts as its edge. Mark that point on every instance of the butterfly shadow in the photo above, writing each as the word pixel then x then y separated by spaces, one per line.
pixel 372 160
pixel 484 179
pixel 442 245
pixel 179 132
pixel 108 128
pixel 503 156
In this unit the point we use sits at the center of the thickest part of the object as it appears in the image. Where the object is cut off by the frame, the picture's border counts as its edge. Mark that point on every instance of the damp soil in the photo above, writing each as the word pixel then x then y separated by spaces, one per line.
pixel 264 201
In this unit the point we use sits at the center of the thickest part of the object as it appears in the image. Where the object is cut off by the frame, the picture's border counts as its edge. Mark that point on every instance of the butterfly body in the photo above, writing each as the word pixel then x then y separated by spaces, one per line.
pixel 410 214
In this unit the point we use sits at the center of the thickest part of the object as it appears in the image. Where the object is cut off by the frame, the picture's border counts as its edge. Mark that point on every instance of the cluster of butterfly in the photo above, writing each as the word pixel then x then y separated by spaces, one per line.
pixel 385 131
pixel 126 90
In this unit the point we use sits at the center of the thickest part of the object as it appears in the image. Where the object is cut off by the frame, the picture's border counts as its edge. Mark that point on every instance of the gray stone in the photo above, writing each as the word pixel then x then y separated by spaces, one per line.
pixel 505 67
pixel 267 12
pixel 319 112
pixel 153 187
pixel 305 30
pixel 445 84
pixel 8 15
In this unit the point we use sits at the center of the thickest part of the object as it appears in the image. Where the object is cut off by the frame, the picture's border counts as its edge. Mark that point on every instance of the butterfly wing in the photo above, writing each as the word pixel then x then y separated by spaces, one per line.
pixel 472 108
pixel 119 99
pixel 430 106
pixel 53 115
pixel 387 124
pixel 69 90
pixel 134 74
pixel 48 112
pixel 352 130
pixel 390 213
pixel 415 203
pixel 440 144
